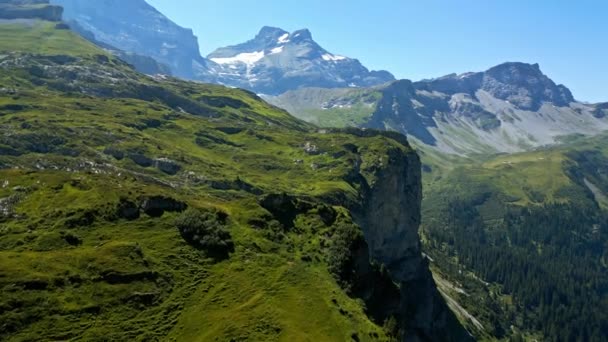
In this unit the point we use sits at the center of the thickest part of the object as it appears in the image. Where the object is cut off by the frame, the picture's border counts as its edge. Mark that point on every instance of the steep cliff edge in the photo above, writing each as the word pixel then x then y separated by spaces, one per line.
pixel 390 218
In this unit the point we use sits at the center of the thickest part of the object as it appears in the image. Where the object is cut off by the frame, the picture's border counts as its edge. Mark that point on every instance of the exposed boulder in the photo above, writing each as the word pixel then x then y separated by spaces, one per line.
pixel 167 166
pixel 141 159
pixel 114 152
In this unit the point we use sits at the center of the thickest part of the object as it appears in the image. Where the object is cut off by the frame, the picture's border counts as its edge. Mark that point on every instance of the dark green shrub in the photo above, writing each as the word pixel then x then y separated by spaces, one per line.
pixel 347 240
pixel 205 229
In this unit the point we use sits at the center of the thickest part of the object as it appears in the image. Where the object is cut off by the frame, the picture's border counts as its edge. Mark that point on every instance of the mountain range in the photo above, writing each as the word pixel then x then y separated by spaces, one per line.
pixel 512 107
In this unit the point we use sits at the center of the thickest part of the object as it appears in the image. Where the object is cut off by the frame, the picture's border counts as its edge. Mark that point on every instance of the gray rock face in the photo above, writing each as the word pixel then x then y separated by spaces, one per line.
pixel 396 110
pixel 276 61
pixel 523 85
pixel 136 27
pixel 601 110
pixel 141 63
pixel 390 220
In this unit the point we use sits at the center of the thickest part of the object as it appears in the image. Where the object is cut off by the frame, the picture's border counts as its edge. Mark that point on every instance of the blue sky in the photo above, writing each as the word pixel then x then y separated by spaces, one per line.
pixel 425 39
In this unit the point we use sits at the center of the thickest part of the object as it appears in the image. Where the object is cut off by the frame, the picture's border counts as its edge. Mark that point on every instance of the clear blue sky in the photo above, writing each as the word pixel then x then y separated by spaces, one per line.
pixel 425 39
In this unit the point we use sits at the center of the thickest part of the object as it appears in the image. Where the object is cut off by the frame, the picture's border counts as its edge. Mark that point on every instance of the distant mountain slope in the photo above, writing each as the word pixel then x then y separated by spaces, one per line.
pixel 136 27
pixel 511 107
pixel 276 61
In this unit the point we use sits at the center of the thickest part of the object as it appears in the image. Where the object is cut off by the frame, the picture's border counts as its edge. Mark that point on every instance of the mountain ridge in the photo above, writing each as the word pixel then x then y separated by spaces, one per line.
pixel 511 107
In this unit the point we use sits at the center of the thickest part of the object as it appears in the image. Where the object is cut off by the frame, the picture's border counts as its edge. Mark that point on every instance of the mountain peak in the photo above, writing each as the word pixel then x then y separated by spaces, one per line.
pixel 517 69
pixel 525 86
pixel 269 31
pixel 275 61
pixel 301 35
pixel 521 84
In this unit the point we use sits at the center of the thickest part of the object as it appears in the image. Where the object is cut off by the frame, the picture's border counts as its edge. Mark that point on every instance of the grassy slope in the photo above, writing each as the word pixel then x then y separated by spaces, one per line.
pixel 330 107
pixel 528 178
pixel 54 289
pixel 49 41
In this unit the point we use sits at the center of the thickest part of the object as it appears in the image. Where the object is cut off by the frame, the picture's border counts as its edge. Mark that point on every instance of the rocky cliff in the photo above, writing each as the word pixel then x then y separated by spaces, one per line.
pixel 136 27
pixel 390 218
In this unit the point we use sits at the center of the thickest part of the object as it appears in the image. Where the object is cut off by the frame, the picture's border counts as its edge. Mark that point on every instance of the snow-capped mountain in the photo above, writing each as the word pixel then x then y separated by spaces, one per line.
pixel 276 61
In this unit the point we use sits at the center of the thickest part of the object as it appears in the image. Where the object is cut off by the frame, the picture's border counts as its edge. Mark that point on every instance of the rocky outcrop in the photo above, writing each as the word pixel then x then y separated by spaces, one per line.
pixel 29 9
pixel 525 86
pixel 390 218
pixel 167 166
pixel 601 110
pixel 391 215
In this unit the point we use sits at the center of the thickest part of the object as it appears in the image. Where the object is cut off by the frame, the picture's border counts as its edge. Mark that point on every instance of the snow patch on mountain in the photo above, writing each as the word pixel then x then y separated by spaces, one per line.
pixel 333 58
pixel 277 50
pixel 245 58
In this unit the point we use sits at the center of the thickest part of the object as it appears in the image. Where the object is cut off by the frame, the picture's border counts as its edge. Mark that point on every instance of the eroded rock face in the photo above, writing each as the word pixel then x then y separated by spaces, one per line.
pixel 135 26
pixel 392 215
pixel 390 218
pixel 167 166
